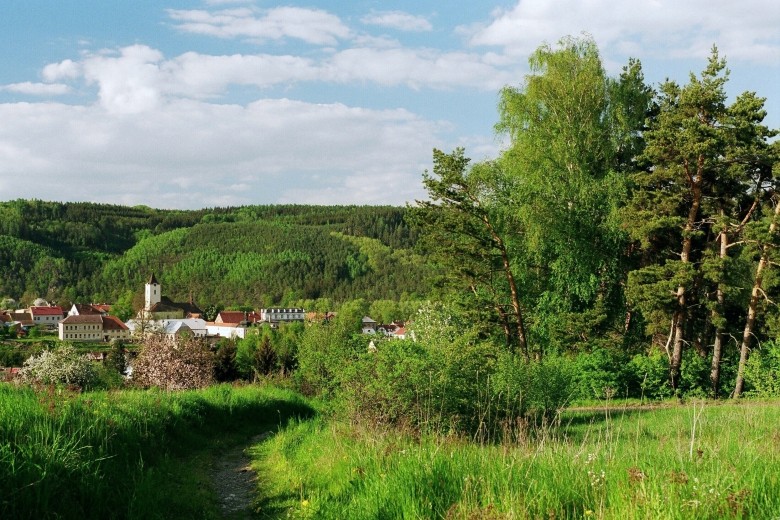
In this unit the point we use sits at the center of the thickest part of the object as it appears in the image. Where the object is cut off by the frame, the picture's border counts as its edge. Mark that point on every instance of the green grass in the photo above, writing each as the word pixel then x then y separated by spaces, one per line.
pixel 699 460
pixel 125 454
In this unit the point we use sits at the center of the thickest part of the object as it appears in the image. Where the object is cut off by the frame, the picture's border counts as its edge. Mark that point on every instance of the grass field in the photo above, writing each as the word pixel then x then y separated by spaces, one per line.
pixel 699 460
pixel 125 454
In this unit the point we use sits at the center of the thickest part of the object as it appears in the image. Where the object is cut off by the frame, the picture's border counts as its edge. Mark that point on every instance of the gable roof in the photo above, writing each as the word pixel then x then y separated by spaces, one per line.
pixel 153 280
pixel 46 311
pixel 113 323
pixel 231 316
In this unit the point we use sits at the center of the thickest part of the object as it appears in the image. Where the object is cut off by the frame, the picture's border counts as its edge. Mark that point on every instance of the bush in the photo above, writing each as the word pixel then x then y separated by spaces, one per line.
pixel 184 363
pixel 64 365
pixel 762 372
pixel 537 388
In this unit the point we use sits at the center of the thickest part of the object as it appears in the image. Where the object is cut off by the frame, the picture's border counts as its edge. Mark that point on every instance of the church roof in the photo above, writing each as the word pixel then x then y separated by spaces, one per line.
pixel 153 280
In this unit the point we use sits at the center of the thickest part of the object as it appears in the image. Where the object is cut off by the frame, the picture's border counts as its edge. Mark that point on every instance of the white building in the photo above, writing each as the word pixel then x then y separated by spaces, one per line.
pixel 277 315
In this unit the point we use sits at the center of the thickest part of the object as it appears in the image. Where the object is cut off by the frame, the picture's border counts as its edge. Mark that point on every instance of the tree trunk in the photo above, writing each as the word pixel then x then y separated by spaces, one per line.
pixel 717 349
pixel 681 313
pixel 753 306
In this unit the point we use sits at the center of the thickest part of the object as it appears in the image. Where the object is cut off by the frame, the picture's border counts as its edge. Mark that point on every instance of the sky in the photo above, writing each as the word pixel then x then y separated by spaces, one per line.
pixel 204 103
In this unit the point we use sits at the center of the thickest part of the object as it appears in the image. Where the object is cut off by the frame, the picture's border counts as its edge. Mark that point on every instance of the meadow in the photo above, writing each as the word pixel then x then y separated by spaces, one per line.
pixel 125 454
pixel 698 460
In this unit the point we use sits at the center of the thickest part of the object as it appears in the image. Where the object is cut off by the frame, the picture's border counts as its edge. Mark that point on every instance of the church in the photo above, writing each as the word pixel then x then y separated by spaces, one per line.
pixel 159 307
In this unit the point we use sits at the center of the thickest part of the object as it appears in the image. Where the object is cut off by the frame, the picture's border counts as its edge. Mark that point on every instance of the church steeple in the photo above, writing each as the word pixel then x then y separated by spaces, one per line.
pixel 152 293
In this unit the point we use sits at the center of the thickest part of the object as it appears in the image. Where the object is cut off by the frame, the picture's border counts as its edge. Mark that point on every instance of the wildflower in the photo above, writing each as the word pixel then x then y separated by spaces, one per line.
pixel 304 503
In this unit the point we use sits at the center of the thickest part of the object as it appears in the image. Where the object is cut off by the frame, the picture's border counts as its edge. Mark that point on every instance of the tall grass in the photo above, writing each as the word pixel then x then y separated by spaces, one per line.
pixel 91 455
pixel 707 461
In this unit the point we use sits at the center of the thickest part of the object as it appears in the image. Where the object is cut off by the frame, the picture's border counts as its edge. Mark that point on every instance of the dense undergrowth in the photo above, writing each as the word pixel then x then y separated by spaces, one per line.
pixel 115 454
pixel 694 461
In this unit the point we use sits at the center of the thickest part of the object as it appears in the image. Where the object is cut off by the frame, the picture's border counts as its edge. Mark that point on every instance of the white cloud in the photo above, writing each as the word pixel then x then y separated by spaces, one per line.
pixel 37 89
pixel 313 26
pixel 138 78
pixel 744 31
pixel 398 20
pixel 195 154
pixel 416 68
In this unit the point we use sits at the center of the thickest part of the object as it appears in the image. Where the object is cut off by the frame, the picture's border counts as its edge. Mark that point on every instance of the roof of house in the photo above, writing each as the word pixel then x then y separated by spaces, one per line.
pixel 85 308
pixel 46 311
pixel 22 317
pixel 367 320
pixel 113 323
pixel 232 316
pixel 166 304
pixel 95 319
pixel 102 307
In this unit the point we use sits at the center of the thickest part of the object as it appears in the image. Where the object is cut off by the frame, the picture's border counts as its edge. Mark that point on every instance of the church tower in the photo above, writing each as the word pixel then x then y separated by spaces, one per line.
pixel 153 293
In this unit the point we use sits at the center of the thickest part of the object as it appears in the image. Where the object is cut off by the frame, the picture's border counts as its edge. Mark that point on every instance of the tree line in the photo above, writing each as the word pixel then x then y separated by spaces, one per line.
pixel 619 216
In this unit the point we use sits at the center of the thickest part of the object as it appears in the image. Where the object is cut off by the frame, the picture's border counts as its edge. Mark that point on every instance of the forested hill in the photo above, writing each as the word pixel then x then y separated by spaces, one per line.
pixel 253 255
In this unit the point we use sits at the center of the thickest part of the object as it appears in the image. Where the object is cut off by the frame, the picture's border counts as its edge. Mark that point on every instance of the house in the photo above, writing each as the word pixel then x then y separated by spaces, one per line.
pixel 114 328
pixel 281 315
pixel 87 327
pixel 171 328
pixel 368 325
pixel 231 317
pixel 92 327
pixel 21 318
pixel 226 330
pixel 159 307
pixel 47 317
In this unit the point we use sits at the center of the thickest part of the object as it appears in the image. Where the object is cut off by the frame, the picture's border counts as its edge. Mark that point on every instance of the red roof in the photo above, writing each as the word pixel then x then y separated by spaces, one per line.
pixel 113 323
pixel 231 316
pixel 46 311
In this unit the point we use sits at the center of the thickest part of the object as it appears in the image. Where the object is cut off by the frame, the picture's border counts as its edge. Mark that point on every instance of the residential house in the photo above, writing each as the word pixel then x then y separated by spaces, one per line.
pixel 282 315
pixel 234 317
pixel 169 327
pixel 21 318
pixel 47 317
pixel 226 330
pixel 92 327
pixel 368 325
pixel 87 327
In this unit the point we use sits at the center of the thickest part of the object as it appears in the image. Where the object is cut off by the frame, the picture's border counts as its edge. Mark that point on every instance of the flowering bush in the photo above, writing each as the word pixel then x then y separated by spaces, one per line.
pixel 179 364
pixel 64 365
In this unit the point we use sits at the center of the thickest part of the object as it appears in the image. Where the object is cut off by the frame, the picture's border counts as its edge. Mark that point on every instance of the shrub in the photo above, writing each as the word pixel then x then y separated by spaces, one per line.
pixel 538 388
pixel 64 365
pixel 762 372
pixel 184 363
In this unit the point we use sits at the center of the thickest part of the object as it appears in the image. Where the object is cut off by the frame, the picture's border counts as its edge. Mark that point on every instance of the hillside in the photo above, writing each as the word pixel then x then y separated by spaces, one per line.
pixel 254 255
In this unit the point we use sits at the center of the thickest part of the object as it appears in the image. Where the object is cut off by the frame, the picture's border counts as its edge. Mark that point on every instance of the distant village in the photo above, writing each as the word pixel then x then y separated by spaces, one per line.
pixel 160 315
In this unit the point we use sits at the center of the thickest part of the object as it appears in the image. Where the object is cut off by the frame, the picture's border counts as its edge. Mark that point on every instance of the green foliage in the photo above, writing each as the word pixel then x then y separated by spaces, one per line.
pixel 61 366
pixel 762 373
pixel 258 254
pixel 225 366
pixel 539 388
pixel 119 454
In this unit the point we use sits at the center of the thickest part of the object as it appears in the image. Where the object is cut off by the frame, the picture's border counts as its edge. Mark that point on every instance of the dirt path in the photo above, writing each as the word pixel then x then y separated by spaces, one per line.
pixel 234 481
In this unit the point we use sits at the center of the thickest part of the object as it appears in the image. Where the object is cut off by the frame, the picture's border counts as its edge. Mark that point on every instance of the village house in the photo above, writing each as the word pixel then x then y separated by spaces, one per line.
pixel 282 315
pixel 92 327
pixel 46 317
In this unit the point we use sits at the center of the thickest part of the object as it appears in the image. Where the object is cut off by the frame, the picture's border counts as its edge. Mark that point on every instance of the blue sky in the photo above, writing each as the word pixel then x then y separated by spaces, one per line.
pixel 189 104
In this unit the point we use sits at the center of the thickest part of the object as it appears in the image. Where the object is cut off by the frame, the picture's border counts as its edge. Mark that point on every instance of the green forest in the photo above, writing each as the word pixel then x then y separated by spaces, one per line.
pixel 253 256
